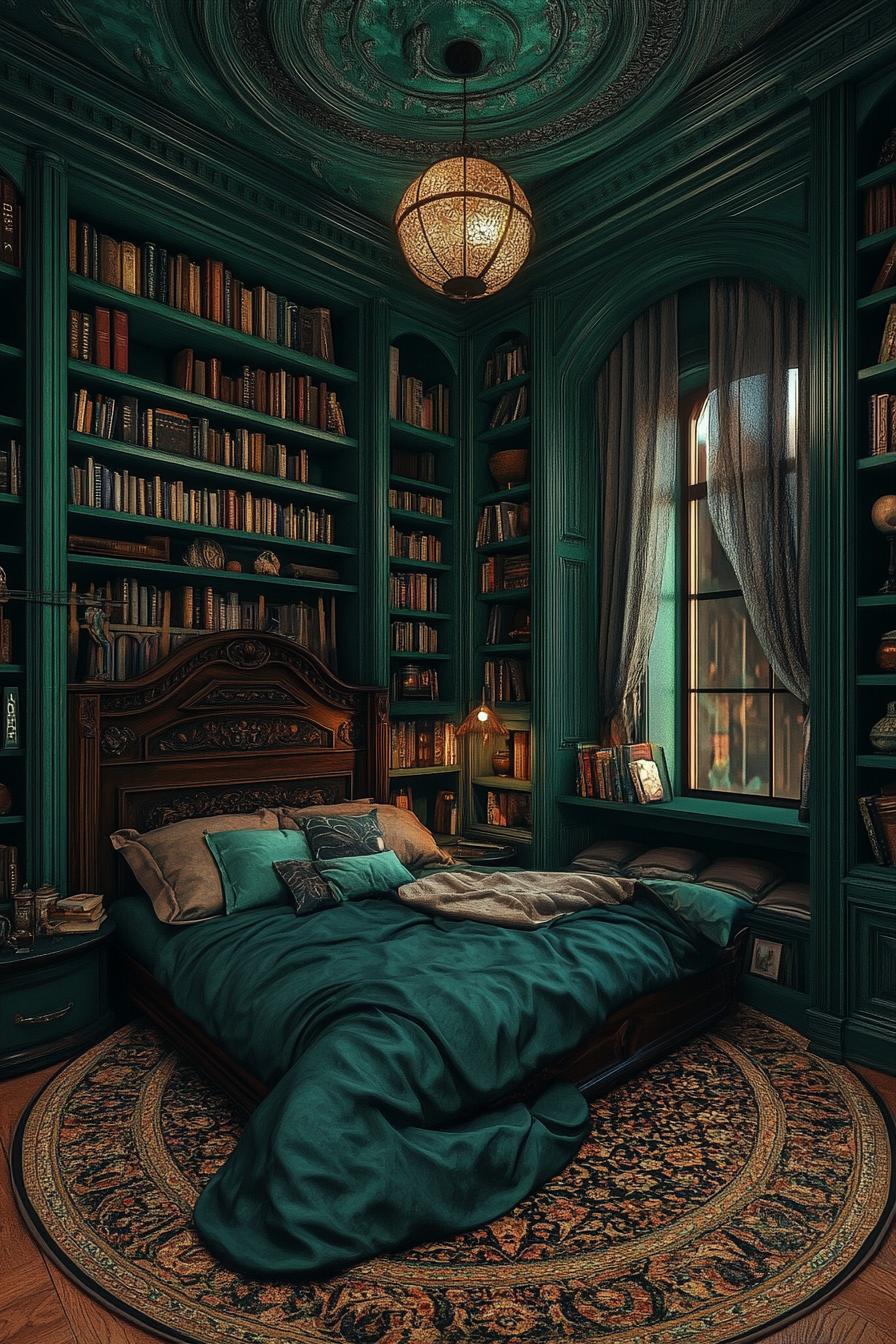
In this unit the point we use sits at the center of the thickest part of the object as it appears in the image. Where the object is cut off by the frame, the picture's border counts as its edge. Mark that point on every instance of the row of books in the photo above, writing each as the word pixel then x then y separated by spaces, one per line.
pixel 414 637
pixel 501 522
pixel 506 361
pixel 97 486
pixel 9 871
pixel 521 754
pixel 511 406
pixel 502 573
pixel 412 501
pixel 414 404
pixel 11 223
pixel 425 684
pixel 879 815
pixel 412 465
pixel 127 420
pixel 419 743
pixel 887 349
pixel 633 773
pixel 882 423
pixel 508 625
pixel 414 546
pixel 414 592
pixel 207 289
pixel 274 392
pixel 505 680
pixel 880 208
pixel 100 338
pixel 505 808
pixel 11 468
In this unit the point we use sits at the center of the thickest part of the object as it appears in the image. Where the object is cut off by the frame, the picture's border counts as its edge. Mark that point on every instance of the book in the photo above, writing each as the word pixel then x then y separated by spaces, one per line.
pixel 152 548
pixel 419 743
pixel 83 902
pixel 646 779
pixel 69 926
pixel 886 276
pixel 605 772
pixel 11 733
pixel 507 361
pixel 10 223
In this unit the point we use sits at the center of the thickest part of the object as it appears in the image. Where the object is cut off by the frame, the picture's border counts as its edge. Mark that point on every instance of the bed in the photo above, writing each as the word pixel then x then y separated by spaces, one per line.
pixel 234 722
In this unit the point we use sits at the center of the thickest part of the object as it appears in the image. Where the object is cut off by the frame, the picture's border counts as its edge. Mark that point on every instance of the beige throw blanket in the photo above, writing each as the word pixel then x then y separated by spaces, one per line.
pixel 521 900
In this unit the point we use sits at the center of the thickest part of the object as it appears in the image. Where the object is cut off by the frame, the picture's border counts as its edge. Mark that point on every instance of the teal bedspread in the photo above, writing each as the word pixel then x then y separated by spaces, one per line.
pixel 390 1036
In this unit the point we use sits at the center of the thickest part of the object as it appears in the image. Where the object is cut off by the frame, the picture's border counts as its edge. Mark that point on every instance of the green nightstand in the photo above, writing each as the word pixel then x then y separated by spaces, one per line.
pixel 54 1001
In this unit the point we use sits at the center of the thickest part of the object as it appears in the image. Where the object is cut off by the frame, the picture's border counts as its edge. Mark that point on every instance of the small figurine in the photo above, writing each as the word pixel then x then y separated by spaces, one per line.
pixel 204 553
pixel 267 563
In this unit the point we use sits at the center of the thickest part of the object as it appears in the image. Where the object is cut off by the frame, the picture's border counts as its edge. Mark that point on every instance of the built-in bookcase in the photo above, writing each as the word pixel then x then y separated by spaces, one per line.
pixel 13 465
pixel 423 637
pixel 242 477
pixel 498 806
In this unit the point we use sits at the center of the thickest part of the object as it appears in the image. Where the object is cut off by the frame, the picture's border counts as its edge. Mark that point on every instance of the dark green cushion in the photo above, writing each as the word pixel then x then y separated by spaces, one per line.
pixel 246 861
pixel 359 875
pixel 710 911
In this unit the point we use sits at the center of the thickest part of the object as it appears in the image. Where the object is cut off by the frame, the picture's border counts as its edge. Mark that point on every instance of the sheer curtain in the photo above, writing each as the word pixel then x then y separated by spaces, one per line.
pixel 637 430
pixel 758 496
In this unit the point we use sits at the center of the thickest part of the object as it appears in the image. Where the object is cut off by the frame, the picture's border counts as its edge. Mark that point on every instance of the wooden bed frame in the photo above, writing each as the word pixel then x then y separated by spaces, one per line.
pixel 233 722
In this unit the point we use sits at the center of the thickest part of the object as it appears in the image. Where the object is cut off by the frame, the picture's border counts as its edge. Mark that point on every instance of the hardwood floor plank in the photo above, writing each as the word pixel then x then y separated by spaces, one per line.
pixel 15 1094
pixel 92 1323
pixel 30 1311
pixel 17 1248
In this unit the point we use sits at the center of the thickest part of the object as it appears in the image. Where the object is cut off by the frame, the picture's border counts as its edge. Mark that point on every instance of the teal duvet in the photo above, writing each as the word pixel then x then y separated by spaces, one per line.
pixel 391 1036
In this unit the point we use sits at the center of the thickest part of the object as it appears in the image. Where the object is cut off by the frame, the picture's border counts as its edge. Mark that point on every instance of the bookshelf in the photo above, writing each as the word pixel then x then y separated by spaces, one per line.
pixel 14 650
pixel 188 471
pixel 421 558
pixel 499 786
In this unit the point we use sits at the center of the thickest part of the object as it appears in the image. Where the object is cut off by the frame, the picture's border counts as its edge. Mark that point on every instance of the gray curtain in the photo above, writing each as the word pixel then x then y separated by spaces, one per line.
pixel 637 427
pixel 759 508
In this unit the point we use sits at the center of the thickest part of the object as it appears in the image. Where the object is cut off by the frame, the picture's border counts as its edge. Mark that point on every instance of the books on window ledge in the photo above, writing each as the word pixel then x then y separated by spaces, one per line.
pixel 414 466
pixel 410 402
pixel 411 501
pixel 96 486
pixel 11 468
pixel 503 573
pixel 511 406
pixel 274 392
pixel 505 680
pixel 207 289
pixel 99 338
pixel 508 809
pixel 507 361
pixel 11 223
pixel 414 592
pixel 414 546
pixel 879 815
pixel 417 744
pixel 633 773
pixel 414 637
pixel 502 522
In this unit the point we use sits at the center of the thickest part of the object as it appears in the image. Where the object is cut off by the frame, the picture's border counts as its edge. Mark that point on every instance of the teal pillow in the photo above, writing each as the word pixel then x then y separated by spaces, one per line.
pixel 710 911
pixel 359 875
pixel 246 861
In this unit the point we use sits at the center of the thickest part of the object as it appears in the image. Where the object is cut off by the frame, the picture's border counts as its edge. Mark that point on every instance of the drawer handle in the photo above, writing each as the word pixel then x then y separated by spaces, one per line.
pixel 21 1020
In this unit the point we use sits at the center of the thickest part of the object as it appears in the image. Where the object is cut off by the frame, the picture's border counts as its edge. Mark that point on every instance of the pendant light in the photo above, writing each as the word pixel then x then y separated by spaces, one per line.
pixel 482 720
pixel 464 225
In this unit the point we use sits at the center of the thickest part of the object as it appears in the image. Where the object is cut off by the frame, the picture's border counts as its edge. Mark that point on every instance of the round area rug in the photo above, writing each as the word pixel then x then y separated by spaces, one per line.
pixel 725 1190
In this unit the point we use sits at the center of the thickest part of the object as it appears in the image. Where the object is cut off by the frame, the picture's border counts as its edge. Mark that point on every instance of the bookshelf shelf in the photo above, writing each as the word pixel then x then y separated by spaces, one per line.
pixel 14 500
pixel 154 323
pixel 424 519
pixel 12 818
pixel 180 574
pixel 8 272
pixel 878 372
pixel 876 679
pixel 496 392
pixel 11 352
pixel 11 422
pixel 510 834
pixel 413 483
pixel 260 539
pixel 503 782
pixel 876 178
pixel 708 812
pixel 506 595
pixel 8 548
pixel 872 241
pixel 508 431
pixel 407 772
pixel 488 650
pixel 164 393
pixel 507 495
pixel 12 753
pixel 508 544
pixel 411 709
pixel 421 657
pixel 402 432
pixel 402 562
pixel 11 669
pixel 878 300
pixel 874 461
pixel 879 762
pixel 411 614
pixel 877 600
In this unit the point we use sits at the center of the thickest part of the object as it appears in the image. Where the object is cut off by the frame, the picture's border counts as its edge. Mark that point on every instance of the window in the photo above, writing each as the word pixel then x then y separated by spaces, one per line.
pixel 742 731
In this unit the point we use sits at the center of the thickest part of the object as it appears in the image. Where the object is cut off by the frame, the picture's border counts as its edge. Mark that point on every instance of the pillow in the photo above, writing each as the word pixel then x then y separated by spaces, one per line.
pixel 678 865
pixel 353 876
pixel 706 909
pixel 174 865
pixel 607 856
pixel 752 878
pixel 247 863
pixel 791 899
pixel 402 830
pixel 308 889
pixel 342 835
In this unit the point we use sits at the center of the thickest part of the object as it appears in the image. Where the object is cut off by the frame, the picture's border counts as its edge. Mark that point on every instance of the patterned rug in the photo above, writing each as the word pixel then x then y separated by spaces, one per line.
pixel 726 1189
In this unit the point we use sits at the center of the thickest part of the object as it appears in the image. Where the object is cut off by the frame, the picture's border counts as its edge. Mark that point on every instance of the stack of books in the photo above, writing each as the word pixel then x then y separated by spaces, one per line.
pixel 76 914
pixel 634 773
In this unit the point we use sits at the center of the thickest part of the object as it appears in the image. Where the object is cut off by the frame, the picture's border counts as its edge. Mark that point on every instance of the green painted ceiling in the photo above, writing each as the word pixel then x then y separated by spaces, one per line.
pixel 355 94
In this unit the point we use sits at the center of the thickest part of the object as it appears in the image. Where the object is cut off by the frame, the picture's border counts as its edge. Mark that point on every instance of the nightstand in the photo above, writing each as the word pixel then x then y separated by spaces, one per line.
pixel 54 1001
pixel 479 853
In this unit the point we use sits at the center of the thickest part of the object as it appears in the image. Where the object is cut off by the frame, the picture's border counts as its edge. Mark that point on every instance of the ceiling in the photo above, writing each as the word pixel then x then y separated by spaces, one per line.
pixel 355 95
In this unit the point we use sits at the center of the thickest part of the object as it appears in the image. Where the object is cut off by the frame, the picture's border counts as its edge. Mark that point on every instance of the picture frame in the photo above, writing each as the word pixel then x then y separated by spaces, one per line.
pixel 765 959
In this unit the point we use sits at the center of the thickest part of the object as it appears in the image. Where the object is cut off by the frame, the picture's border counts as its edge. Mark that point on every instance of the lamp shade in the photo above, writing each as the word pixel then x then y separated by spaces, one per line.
pixel 482 720
pixel 465 227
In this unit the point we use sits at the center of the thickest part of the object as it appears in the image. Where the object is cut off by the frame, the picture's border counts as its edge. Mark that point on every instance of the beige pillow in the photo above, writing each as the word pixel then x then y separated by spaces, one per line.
pixel 174 865
pixel 403 831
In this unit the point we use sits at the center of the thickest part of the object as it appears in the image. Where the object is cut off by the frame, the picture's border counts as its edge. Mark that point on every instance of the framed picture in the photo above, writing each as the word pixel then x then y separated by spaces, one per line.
pixel 766 958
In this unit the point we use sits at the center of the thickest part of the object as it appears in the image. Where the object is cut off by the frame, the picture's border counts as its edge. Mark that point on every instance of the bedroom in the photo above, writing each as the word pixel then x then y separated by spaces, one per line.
pixel 444 880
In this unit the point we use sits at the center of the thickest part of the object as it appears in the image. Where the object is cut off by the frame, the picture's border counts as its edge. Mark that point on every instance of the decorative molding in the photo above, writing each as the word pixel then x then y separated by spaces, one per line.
pixel 245 734
pixel 247 654
pixel 116 740
pixel 88 717
pixel 150 814
pixel 229 695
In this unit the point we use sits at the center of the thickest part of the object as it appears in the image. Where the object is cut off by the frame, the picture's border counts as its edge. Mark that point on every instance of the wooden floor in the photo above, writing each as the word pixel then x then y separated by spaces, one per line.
pixel 39 1305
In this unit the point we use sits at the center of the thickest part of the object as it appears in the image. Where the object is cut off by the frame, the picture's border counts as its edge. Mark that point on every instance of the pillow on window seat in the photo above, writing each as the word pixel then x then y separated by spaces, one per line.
pixel 402 830
pixel 607 856
pixel 668 861
pixel 753 878
pixel 790 898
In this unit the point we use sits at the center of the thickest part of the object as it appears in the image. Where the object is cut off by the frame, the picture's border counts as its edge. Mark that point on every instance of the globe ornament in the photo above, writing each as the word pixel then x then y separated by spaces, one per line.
pixel 465 227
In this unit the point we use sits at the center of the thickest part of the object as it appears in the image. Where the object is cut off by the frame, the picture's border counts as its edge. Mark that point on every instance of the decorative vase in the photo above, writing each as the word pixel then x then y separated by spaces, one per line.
pixel 204 553
pixel 883 734
pixel 886 652
pixel 509 467
pixel 501 761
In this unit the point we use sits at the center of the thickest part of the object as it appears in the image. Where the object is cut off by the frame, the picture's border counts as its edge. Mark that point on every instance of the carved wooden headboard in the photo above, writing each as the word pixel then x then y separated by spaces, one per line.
pixel 228 723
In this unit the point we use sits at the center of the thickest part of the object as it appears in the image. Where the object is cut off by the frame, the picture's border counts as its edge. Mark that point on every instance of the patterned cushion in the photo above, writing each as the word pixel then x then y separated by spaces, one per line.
pixel 402 830
pixel 337 837
pixel 308 889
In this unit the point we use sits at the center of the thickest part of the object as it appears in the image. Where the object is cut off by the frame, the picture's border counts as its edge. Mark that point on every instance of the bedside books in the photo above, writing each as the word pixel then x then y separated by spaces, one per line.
pixel 76 914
